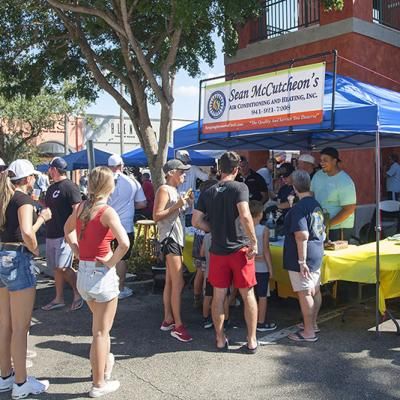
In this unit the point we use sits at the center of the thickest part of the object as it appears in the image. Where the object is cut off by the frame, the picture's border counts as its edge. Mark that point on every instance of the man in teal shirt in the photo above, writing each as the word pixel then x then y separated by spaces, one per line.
pixel 335 191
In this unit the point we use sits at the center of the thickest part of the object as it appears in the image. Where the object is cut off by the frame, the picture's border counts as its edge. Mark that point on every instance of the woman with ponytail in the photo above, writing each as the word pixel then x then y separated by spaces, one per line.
pixel 18 226
pixel 89 231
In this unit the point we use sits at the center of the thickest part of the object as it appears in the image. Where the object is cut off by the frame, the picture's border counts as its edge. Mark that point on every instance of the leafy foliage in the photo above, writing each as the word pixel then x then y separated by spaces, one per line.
pixel 24 118
pixel 101 44
pixel 330 5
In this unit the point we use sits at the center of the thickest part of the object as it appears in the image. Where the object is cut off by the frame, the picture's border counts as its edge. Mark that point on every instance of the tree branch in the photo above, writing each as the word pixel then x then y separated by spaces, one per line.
pixel 107 17
pixel 139 54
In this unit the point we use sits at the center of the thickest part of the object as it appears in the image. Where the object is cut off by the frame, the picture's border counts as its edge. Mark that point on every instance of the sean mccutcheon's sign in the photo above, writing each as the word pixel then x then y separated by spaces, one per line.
pixel 290 97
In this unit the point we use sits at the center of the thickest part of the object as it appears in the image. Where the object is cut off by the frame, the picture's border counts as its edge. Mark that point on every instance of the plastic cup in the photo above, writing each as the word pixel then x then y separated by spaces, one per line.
pixel 36 194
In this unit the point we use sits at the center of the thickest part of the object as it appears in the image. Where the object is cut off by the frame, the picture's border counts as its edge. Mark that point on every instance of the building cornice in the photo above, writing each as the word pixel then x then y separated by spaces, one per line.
pixel 314 34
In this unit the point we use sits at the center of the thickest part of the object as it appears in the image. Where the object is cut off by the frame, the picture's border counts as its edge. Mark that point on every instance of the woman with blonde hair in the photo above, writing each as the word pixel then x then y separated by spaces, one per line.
pixel 89 231
pixel 168 205
pixel 18 226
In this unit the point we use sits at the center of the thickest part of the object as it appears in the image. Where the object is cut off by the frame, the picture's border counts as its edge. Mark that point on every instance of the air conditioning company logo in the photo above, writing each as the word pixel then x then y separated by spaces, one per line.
pixel 216 104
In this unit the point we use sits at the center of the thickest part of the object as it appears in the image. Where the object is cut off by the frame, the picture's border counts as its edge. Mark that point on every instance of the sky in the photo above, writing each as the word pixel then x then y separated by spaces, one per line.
pixel 186 92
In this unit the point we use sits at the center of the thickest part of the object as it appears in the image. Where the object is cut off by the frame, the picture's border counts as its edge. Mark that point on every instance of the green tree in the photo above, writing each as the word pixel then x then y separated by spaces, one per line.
pixel 24 118
pixel 104 43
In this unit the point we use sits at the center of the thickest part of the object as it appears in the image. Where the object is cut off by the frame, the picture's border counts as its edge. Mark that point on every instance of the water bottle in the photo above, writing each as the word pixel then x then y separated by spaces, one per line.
pixel 271 225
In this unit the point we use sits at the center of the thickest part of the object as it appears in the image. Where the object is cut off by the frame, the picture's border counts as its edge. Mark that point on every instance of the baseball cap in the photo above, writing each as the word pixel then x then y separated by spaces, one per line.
pixel 307 158
pixel 21 169
pixel 183 155
pixel 330 151
pixel 175 164
pixel 115 160
pixel 59 163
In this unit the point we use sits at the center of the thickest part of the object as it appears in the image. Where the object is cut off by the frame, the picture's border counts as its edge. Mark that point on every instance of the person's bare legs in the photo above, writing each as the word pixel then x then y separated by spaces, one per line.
pixel 174 265
pixel 122 267
pixel 317 305
pixel 5 333
pixel 70 278
pixel 59 282
pixel 218 315
pixel 21 306
pixel 262 309
pixel 103 319
pixel 250 315
pixel 168 317
pixel 207 306
pixel 198 284
pixel 306 301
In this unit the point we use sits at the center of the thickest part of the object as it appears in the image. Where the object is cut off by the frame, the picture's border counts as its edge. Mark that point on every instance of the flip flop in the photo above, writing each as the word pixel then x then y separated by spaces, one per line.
pixel 52 306
pixel 76 305
pixel 301 326
pixel 298 337
pixel 247 350
pixel 225 346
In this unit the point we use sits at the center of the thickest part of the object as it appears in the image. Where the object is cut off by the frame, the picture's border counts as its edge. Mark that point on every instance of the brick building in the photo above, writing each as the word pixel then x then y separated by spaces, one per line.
pixel 366 34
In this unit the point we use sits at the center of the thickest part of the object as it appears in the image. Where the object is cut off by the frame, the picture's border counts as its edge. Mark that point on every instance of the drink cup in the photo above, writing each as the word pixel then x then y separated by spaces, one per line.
pixel 36 194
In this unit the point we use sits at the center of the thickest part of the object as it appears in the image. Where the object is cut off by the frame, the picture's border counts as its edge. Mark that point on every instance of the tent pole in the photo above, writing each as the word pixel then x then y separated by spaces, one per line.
pixel 377 224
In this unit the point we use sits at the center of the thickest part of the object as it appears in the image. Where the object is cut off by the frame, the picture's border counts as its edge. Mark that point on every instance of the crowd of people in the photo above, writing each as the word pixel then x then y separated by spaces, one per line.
pixel 232 253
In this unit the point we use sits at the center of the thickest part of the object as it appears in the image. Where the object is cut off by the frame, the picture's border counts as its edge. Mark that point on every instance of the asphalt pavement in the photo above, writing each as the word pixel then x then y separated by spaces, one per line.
pixel 348 362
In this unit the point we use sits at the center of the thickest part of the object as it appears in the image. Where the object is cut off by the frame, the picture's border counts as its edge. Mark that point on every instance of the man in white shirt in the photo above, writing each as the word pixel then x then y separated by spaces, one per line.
pixel 127 196
pixel 393 178
pixel 191 176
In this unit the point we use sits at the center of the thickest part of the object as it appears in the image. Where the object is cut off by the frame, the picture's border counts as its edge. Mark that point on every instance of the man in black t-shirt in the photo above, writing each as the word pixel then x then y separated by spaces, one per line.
pixel 61 197
pixel 224 211
pixel 258 189
pixel 302 254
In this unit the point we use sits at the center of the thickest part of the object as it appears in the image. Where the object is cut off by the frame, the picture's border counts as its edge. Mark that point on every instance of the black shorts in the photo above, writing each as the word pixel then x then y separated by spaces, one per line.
pixel 261 289
pixel 114 245
pixel 169 246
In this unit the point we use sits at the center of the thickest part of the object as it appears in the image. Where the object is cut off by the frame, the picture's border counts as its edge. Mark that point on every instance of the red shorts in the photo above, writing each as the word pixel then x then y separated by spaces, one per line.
pixel 235 265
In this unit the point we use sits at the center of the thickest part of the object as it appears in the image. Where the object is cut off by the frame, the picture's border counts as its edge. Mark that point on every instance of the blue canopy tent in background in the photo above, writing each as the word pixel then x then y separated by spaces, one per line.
pixel 138 158
pixel 79 160
pixel 365 116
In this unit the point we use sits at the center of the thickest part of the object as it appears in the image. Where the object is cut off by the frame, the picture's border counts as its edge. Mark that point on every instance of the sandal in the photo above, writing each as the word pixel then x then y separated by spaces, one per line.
pixel 298 337
pixel 301 327
pixel 52 306
pixel 77 304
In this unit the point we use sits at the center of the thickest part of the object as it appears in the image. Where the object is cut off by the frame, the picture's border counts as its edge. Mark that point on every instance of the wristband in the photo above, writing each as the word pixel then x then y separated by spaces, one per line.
pixel 302 262
pixel 41 216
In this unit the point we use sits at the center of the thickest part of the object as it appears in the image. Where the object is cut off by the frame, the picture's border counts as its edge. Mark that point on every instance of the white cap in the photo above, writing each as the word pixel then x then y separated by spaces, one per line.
pixel 21 169
pixel 2 163
pixel 183 155
pixel 307 158
pixel 115 160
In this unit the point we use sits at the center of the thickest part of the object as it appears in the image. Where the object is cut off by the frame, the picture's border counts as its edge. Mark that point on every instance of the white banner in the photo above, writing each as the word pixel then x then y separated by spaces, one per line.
pixel 293 96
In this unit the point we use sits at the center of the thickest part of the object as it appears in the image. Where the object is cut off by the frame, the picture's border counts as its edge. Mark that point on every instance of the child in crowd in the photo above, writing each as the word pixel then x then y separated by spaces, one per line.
pixel 208 289
pixel 263 266
pixel 198 260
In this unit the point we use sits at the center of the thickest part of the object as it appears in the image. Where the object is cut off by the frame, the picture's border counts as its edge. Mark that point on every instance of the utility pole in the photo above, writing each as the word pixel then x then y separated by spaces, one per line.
pixel 121 122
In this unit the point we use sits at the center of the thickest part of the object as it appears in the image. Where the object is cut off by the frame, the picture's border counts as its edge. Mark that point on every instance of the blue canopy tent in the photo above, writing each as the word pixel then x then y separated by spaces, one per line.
pixel 364 116
pixel 138 158
pixel 79 160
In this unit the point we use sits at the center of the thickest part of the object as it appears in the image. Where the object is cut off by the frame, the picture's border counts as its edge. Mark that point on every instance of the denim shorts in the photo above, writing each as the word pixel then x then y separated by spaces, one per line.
pixel 97 283
pixel 17 269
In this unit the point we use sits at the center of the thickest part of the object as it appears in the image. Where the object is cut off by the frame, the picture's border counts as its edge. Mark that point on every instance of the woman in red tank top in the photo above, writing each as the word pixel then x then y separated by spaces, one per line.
pixel 89 231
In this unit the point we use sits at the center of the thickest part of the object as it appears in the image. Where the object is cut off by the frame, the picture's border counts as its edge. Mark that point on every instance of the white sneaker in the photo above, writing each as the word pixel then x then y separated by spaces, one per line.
pixel 109 366
pixel 124 293
pixel 7 384
pixel 109 387
pixel 31 386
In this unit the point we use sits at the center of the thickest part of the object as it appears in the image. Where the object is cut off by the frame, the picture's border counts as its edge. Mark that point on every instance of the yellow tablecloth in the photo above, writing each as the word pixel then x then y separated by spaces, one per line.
pixel 354 264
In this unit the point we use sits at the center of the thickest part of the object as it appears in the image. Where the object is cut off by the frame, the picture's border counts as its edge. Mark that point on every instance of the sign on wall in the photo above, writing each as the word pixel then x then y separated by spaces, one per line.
pixel 283 98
